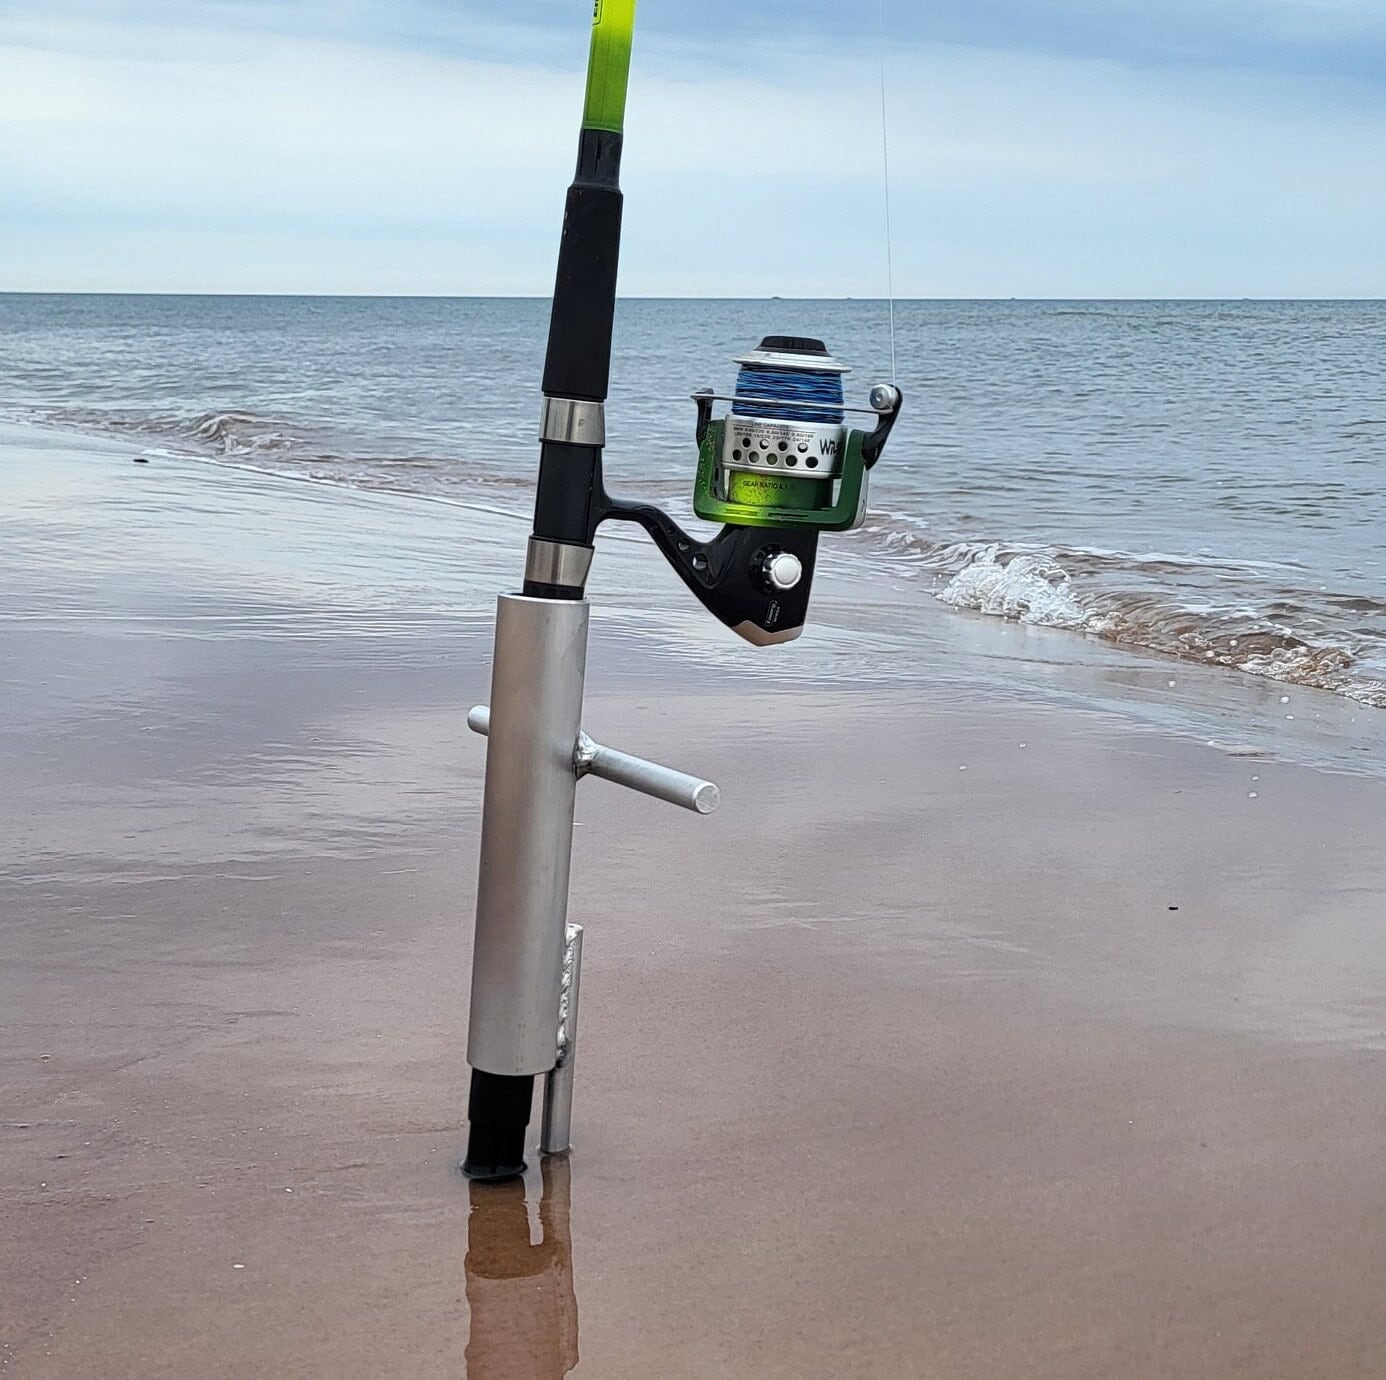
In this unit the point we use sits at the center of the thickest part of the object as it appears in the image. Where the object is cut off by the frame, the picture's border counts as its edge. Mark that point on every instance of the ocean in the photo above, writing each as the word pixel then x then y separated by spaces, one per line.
pixel 1198 481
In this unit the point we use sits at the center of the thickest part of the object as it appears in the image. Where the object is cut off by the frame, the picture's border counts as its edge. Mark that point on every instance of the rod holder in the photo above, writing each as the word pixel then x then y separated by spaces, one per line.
pixel 526 958
pixel 526 835
pixel 635 773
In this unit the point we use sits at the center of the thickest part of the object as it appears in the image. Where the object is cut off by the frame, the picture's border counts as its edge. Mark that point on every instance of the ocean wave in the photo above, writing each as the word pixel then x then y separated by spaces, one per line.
pixel 228 432
pixel 1261 617
pixel 238 433
pixel 1247 616
pixel 1029 589
pixel 278 445
pixel 219 430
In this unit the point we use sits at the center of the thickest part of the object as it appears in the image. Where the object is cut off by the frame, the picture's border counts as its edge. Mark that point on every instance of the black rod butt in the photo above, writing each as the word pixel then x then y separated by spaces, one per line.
pixel 499 1111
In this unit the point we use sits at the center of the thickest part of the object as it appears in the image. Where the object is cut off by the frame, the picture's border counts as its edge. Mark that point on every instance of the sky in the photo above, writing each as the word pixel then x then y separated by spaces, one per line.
pixel 1038 148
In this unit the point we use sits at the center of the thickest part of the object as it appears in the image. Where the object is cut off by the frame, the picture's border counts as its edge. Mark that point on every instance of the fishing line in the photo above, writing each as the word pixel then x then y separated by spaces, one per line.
pixel 885 167
pixel 794 392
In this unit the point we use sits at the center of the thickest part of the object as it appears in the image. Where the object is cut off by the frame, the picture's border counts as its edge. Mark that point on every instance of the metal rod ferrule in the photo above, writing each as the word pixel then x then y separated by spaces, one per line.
pixel 636 773
pixel 558 563
pixel 573 422
pixel 527 834
pixel 557 1133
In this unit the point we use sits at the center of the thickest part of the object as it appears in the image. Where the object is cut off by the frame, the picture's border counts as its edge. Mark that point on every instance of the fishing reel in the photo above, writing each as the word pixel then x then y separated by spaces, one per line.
pixel 779 468
pixel 782 456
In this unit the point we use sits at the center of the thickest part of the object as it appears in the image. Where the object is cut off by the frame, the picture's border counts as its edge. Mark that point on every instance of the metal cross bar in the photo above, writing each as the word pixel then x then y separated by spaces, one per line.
pixel 636 773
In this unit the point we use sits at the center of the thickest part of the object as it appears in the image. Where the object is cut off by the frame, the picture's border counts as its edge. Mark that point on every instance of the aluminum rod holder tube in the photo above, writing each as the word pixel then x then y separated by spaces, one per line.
pixel 649 778
pixel 557 1134
pixel 526 852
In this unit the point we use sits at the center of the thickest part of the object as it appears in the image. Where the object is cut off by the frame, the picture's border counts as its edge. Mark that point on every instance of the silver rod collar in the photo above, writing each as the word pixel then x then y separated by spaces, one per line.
pixel 573 422
pixel 558 563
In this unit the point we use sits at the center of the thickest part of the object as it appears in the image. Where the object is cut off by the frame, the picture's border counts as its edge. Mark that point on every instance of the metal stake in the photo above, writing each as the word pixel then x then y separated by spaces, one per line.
pixel 556 1136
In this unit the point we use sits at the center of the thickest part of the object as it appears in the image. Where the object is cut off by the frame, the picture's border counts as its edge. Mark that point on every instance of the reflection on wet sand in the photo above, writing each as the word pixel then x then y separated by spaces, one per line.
pixel 524 1310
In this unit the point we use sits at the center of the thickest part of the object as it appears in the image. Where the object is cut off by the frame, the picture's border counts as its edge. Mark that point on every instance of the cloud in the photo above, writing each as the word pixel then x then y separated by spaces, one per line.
pixel 1344 37
pixel 150 144
pixel 1021 175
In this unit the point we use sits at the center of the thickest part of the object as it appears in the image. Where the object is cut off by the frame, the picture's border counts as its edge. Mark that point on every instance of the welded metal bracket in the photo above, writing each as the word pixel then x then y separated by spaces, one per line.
pixel 635 773
pixel 556 1136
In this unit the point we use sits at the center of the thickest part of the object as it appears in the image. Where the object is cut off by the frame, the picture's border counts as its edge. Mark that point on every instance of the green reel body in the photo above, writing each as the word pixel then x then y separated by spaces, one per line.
pixel 757 474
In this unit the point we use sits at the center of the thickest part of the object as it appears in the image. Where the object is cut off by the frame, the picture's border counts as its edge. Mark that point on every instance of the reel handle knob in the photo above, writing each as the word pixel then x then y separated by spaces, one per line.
pixel 782 570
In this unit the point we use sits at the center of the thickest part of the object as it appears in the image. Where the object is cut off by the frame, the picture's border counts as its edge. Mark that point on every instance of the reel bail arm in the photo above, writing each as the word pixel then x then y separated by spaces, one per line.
pixel 886 400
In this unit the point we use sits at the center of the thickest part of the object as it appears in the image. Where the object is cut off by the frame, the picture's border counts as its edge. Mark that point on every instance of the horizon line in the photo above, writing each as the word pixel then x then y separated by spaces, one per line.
pixel 653 297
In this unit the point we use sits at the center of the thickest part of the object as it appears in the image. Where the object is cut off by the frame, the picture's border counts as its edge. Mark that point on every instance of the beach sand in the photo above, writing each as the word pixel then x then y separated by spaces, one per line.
pixel 975 1036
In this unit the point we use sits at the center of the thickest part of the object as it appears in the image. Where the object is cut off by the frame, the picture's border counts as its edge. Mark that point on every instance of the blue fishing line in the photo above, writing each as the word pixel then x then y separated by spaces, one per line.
pixel 784 388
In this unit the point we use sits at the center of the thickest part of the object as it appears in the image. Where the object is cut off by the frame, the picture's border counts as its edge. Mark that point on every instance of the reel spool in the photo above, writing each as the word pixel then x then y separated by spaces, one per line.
pixel 783 456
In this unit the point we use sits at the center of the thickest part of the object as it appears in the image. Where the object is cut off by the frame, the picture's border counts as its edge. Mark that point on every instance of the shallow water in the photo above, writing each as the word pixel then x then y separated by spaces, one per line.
pixel 1204 480
pixel 208 557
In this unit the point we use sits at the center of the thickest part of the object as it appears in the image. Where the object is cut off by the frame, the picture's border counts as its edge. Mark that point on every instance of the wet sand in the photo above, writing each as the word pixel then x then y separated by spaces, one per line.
pixel 972 1037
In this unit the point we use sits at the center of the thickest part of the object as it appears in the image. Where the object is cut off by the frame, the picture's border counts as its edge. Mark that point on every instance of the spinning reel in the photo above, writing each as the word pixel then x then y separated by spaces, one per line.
pixel 779 468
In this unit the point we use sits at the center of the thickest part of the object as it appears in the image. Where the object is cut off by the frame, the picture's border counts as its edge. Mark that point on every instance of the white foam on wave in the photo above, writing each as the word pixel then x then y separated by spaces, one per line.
pixel 1033 587
pixel 1029 589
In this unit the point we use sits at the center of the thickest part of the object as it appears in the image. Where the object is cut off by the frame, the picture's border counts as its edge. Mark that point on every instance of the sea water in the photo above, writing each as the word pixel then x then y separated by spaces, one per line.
pixel 1203 481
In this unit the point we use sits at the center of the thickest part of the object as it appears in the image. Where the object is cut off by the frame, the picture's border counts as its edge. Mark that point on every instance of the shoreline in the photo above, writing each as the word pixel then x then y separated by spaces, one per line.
pixel 427 560
pixel 976 1035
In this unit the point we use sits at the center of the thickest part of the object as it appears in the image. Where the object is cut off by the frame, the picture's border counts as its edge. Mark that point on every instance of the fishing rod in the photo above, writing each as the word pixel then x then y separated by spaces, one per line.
pixel 779 467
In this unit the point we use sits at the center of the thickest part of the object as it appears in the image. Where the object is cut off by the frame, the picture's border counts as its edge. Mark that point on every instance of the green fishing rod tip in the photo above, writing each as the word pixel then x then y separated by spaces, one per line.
pixel 608 70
